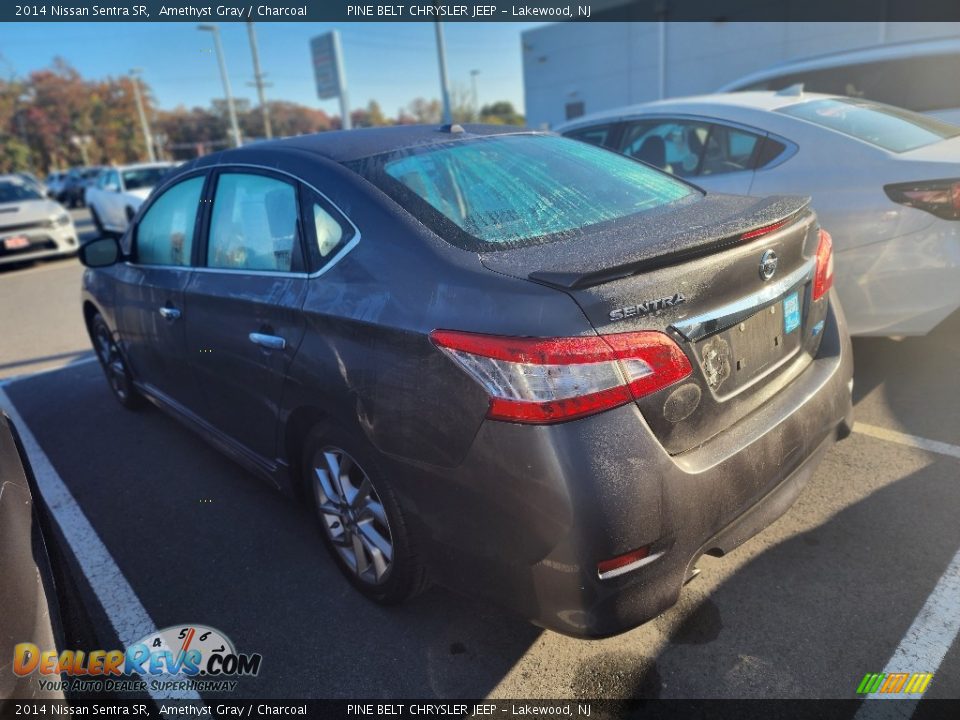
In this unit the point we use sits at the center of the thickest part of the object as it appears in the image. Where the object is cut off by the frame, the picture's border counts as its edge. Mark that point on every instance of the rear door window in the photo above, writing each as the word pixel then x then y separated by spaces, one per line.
pixel 253 225
pixel 728 150
pixel 165 234
pixel 674 146
pixel 690 148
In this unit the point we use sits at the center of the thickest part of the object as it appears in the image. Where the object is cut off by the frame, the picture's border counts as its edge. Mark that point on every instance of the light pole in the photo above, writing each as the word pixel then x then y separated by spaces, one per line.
pixel 473 86
pixel 144 125
pixel 444 85
pixel 81 141
pixel 258 81
pixel 215 30
pixel 24 98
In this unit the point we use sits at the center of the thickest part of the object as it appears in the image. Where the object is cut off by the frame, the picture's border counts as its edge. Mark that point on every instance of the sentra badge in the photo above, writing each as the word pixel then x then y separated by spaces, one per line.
pixel 647 308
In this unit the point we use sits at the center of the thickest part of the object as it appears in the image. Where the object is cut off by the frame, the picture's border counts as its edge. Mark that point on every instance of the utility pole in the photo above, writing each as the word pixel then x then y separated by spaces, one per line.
pixel 215 30
pixel 258 81
pixel 444 85
pixel 473 86
pixel 144 125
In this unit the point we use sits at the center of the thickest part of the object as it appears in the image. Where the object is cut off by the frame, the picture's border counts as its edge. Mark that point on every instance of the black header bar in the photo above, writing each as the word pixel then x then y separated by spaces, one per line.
pixel 479 10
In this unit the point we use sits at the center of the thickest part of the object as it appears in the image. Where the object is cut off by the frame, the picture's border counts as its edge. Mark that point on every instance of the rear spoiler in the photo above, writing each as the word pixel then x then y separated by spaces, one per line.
pixel 694 241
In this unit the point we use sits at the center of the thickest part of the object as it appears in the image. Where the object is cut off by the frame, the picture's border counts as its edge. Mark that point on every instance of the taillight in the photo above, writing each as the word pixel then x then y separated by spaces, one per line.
pixel 939 197
pixel 622 563
pixel 823 275
pixel 546 380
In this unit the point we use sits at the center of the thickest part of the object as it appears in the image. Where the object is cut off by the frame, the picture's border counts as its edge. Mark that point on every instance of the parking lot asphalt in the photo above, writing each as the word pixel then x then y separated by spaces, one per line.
pixel 804 610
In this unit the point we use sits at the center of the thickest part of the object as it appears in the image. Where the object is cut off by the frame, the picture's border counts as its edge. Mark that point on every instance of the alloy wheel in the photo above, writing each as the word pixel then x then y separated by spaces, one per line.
pixel 353 515
pixel 112 362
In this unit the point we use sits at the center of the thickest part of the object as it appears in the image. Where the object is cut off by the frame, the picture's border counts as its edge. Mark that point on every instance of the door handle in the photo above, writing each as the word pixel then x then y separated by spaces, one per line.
pixel 271 342
pixel 169 313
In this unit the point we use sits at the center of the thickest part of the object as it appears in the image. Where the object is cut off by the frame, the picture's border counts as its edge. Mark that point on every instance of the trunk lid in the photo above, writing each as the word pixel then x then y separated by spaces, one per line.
pixel 688 272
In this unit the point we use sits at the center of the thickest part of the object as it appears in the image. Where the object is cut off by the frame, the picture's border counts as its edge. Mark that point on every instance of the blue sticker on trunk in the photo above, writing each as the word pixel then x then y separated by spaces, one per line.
pixel 791 313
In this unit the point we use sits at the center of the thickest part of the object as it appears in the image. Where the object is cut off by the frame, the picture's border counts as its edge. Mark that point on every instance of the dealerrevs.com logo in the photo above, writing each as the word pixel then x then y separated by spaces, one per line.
pixel 183 657
pixel 894 683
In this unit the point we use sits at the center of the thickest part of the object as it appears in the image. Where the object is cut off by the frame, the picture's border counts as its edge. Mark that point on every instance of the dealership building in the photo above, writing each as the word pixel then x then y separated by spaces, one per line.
pixel 571 69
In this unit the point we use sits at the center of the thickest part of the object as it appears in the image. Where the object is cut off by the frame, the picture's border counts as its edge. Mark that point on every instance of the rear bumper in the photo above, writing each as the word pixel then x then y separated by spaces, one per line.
pixel 904 285
pixel 525 519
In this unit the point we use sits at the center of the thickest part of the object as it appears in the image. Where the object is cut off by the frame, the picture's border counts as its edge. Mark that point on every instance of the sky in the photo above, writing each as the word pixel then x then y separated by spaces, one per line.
pixel 392 63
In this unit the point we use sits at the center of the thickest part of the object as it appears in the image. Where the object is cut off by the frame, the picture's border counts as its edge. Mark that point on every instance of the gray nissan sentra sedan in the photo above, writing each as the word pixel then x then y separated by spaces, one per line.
pixel 505 361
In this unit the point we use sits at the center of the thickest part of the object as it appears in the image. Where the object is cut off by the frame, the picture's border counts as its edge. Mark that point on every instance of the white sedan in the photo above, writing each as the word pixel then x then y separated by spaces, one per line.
pixel 885 183
pixel 120 191
pixel 31 225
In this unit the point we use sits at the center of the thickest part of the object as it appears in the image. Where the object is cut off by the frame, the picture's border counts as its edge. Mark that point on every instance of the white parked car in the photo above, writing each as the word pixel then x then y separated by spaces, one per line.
pixel 885 183
pixel 32 226
pixel 120 191
pixel 919 76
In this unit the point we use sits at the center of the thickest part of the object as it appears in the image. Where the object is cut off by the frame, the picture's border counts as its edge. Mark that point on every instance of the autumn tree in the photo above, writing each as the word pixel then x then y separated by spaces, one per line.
pixel 501 113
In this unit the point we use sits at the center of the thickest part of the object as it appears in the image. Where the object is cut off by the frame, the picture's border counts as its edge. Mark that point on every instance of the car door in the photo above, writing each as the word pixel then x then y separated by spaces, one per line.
pixel 716 156
pixel 245 322
pixel 151 311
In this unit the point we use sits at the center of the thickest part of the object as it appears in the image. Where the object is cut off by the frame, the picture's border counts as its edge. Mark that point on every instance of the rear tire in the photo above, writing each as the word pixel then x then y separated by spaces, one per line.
pixel 361 520
pixel 113 364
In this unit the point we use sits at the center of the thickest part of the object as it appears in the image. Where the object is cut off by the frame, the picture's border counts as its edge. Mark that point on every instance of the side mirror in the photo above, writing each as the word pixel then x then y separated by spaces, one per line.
pixel 100 253
pixel 112 187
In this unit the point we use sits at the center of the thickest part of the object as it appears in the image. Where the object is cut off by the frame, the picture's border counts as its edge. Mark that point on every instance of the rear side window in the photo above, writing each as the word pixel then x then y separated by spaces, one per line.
pixel 328 231
pixel 165 234
pixel 887 127
pixel 254 224
pixel 514 190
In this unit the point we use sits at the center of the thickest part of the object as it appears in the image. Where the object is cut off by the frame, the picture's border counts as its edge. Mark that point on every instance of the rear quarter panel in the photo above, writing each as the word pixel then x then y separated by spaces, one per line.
pixel 366 358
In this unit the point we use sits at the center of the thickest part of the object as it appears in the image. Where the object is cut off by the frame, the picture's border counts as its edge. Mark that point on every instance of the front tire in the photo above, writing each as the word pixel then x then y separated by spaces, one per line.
pixel 113 364
pixel 361 520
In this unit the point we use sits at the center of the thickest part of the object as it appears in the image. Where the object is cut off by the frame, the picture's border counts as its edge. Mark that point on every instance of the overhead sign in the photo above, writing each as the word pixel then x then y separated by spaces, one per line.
pixel 327 65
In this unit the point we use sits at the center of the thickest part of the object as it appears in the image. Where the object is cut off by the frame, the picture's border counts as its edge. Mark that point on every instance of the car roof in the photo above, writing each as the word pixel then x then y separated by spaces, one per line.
pixel 140 166
pixel 346 145
pixel 700 105
pixel 876 53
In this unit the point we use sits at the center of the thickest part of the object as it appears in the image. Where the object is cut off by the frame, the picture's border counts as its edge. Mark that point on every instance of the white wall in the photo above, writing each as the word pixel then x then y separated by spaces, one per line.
pixel 608 64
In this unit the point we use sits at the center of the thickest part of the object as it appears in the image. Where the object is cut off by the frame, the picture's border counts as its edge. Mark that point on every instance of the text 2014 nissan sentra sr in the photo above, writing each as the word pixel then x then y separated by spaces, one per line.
pixel 512 363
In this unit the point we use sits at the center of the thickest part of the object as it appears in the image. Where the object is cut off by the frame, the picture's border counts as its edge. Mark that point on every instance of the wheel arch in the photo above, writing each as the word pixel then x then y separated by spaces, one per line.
pixel 295 430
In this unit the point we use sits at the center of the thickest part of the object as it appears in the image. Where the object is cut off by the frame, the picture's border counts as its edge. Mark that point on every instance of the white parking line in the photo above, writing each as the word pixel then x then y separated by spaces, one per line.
pixel 934 446
pixel 72 363
pixel 126 613
pixel 924 645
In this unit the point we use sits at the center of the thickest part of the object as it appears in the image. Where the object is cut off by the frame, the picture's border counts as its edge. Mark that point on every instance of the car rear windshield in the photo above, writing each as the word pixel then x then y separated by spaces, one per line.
pixel 885 126
pixel 512 190
pixel 16 191
pixel 140 178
